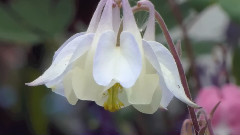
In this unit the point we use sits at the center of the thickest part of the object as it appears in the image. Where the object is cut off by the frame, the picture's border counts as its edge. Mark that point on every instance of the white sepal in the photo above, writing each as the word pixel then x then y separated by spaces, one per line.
pixel 153 106
pixel 162 60
pixel 63 58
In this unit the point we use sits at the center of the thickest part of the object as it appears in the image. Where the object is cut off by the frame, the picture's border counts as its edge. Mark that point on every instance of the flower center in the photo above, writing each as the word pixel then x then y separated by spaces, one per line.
pixel 113 104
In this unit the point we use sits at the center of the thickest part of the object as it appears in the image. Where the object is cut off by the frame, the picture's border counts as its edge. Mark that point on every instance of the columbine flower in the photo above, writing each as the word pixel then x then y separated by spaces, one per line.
pixel 112 65
pixel 226 120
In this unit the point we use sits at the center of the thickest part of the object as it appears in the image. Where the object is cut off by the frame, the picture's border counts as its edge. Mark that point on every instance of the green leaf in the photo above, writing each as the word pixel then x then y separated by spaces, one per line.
pixel 201 48
pixel 11 30
pixel 49 16
pixel 30 21
pixel 236 65
pixel 163 7
pixel 200 5
pixel 232 7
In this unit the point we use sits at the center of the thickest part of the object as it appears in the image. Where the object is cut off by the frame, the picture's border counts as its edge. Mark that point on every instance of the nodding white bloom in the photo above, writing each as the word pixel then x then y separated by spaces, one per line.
pixel 163 65
pixel 112 65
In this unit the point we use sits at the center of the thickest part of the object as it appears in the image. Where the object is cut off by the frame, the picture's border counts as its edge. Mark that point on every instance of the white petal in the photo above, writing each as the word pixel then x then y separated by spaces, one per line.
pixel 68 90
pixel 129 23
pixel 122 64
pixel 167 95
pixel 53 83
pixel 103 96
pixel 123 98
pixel 66 43
pixel 82 47
pixel 55 70
pixel 149 33
pixel 96 17
pixel 130 63
pixel 80 63
pixel 121 95
pixel 106 22
pixel 149 68
pixel 102 100
pixel 59 79
pixel 83 41
pixel 59 89
pixel 143 90
pixel 64 58
pixel 153 106
pixel 166 68
pixel 84 86
pixel 150 55
pixel 105 59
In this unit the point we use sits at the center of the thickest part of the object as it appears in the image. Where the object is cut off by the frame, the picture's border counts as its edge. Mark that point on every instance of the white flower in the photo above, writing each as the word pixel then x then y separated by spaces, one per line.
pixel 72 53
pixel 112 65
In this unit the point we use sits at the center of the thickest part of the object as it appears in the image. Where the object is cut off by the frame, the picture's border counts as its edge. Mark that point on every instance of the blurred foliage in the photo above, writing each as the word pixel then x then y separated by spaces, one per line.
pixel 236 64
pixel 232 7
pixel 11 30
pixel 201 48
pixel 33 102
pixel 200 5
pixel 164 9
pixel 30 21
pixel 38 119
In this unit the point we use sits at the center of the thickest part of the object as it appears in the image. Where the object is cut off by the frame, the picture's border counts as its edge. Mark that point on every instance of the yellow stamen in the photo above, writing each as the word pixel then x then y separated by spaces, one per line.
pixel 113 104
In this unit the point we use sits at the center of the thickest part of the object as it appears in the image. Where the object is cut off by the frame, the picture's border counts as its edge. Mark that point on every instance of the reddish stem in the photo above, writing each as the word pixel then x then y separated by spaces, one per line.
pixel 178 15
pixel 171 45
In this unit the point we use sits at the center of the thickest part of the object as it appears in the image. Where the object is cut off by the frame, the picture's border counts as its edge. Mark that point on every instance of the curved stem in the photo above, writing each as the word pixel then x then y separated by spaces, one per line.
pixel 190 53
pixel 171 45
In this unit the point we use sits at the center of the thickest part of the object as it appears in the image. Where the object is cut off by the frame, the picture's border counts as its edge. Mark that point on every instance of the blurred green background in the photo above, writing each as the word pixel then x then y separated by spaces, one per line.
pixel 32 30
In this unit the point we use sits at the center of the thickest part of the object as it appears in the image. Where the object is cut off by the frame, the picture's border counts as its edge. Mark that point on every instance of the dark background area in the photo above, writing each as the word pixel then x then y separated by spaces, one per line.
pixel 31 31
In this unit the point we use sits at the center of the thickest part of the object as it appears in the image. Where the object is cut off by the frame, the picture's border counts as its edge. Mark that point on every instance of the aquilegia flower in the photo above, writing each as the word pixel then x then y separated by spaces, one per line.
pixel 112 65
pixel 226 120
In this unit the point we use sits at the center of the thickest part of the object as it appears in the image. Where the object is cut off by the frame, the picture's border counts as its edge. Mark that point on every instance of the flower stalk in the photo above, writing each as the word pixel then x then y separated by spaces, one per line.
pixel 171 45
pixel 189 50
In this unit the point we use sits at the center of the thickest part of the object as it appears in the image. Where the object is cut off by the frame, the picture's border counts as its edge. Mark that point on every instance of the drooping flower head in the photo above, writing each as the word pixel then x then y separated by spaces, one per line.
pixel 113 65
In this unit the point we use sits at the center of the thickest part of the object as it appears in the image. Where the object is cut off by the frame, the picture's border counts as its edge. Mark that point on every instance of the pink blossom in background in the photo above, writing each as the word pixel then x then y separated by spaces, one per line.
pixel 226 119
